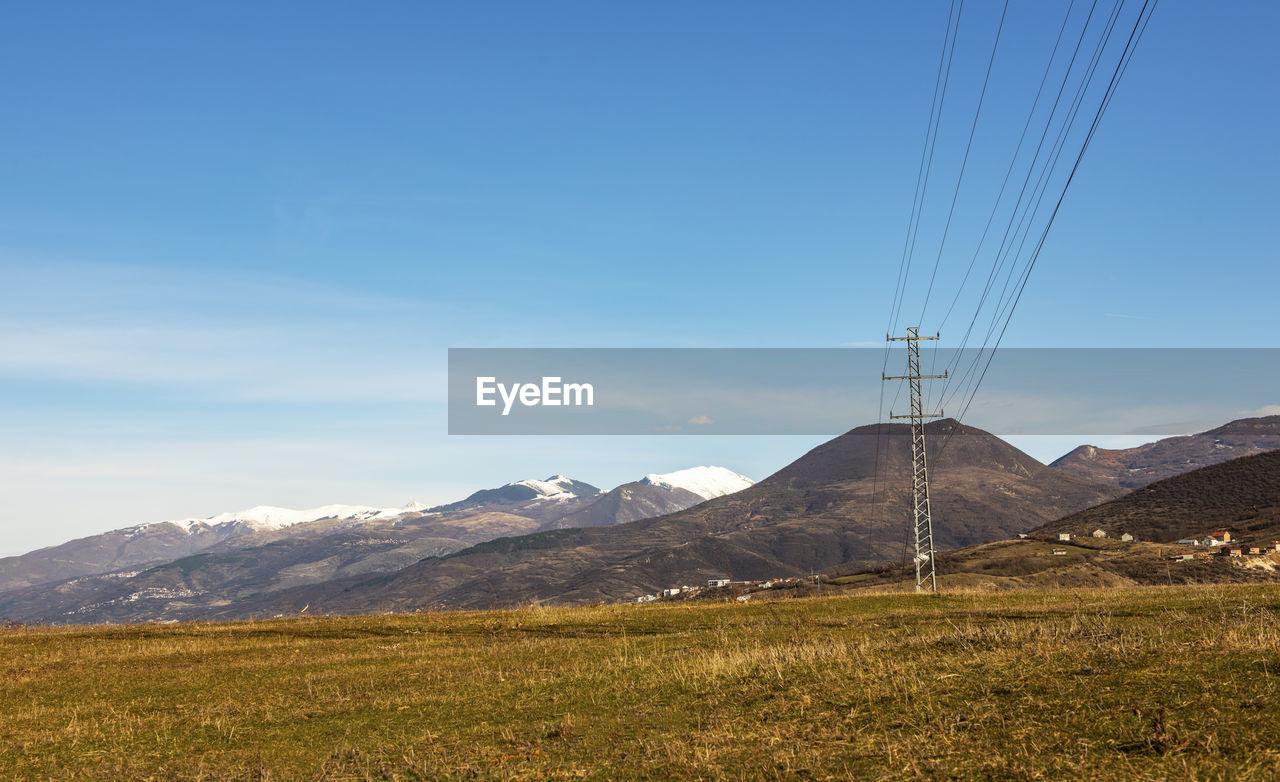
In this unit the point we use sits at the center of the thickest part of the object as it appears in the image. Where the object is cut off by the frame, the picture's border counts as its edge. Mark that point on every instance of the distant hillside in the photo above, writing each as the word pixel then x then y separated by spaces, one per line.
pixel 1131 468
pixel 1242 495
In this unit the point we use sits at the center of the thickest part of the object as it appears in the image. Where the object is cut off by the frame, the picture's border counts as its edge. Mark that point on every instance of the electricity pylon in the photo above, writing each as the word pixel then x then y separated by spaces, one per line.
pixel 920 511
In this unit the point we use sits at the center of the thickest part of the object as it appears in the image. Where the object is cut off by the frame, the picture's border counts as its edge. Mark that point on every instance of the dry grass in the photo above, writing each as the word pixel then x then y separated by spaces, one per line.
pixel 1157 683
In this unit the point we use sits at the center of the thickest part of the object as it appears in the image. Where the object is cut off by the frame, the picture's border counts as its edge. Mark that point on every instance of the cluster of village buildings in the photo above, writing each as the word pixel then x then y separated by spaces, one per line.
pixel 724 583
pixel 1220 543
pixel 1065 537
pixel 1216 544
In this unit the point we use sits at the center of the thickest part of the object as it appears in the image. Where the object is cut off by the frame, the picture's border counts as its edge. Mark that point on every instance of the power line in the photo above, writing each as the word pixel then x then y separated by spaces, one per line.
pixel 1008 263
pixel 1044 79
pixel 931 145
pixel 940 83
pixel 973 128
pixel 1005 252
pixel 1000 254
pixel 1038 193
pixel 1126 56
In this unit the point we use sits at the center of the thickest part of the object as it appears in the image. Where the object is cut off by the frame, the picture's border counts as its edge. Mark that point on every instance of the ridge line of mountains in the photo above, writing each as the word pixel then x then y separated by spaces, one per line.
pixel 517 507
pixel 564 541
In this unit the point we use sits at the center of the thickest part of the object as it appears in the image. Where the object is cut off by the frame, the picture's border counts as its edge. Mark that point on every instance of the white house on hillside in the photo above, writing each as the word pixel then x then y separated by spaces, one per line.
pixel 1217 539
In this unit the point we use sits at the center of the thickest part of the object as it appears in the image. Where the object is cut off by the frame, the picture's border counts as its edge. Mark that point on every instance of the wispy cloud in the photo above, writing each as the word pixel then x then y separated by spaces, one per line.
pixel 234 362
pixel 222 337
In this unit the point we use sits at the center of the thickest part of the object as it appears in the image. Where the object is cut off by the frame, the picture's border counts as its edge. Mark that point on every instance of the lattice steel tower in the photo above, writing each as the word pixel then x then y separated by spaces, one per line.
pixel 920 511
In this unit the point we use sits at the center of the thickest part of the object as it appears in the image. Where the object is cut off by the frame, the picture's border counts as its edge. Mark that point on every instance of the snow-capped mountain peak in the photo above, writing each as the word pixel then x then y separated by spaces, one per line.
pixel 557 487
pixel 706 482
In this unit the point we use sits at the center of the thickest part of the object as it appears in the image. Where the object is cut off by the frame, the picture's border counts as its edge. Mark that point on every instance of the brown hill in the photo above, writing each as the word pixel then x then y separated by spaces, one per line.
pixel 1242 495
pixel 1131 468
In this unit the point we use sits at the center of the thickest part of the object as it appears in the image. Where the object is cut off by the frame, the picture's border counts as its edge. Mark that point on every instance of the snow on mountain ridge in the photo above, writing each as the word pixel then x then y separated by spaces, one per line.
pixel 270 517
pixel 557 487
pixel 706 482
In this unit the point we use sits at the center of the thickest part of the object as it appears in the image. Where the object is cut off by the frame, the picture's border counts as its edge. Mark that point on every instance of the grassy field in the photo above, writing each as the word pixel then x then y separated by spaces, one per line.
pixel 1153 683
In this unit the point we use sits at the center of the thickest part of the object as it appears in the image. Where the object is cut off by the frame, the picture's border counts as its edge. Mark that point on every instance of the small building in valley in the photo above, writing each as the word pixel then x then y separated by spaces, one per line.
pixel 715 583
pixel 1218 539
pixel 1064 536
pixel 1099 533
pixel 1127 537
pixel 1059 552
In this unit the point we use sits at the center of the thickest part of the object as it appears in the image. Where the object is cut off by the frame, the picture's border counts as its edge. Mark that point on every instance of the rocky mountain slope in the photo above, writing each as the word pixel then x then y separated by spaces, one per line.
pixel 145 544
pixel 1131 468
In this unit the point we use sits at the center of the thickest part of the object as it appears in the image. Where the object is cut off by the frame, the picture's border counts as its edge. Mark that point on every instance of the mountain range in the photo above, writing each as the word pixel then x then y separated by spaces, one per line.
pixel 841 506
pixel 167 540
pixel 830 508
pixel 129 572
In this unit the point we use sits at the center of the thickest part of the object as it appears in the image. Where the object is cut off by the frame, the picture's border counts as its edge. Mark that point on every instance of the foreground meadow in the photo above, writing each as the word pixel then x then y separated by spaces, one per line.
pixel 1155 683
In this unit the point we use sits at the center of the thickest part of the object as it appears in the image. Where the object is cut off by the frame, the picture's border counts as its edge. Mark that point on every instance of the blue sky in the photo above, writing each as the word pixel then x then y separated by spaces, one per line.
pixel 237 240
